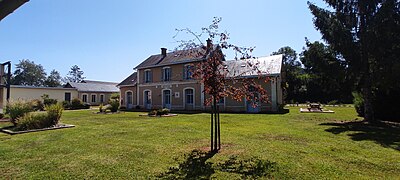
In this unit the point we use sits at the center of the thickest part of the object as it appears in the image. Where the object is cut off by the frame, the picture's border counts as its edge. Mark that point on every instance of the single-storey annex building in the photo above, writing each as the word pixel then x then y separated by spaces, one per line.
pixel 165 81
pixel 92 92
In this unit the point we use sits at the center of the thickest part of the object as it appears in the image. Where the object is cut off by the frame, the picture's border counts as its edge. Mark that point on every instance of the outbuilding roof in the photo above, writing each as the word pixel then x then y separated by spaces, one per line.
pixel 270 66
pixel 129 81
pixel 94 86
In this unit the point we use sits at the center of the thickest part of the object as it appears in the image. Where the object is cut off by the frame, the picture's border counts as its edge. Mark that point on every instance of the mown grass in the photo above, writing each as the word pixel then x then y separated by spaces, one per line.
pixel 304 146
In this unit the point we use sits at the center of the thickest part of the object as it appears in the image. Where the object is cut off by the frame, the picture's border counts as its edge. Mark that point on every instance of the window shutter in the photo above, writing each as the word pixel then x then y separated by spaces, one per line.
pixel 162 74
pixel 144 76
pixel 184 72
pixel 151 76
pixel 170 74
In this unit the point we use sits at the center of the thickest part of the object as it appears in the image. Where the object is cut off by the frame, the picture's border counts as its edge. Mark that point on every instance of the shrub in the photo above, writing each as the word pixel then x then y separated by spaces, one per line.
pixel 17 109
pixel 1 115
pixel 54 113
pixel 76 104
pixel 66 104
pixel 281 107
pixel 32 121
pixel 41 120
pixel 115 96
pixel 114 105
pixel 358 103
pixel 85 106
pixel 37 105
pixel 48 101
pixel 152 113
pixel 163 111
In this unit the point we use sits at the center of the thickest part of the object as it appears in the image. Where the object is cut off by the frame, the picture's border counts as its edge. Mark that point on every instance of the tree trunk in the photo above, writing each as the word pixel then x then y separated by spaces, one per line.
pixel 212 128
pixel 368 106
pixel 219 129
pixel 215 127
pixel 366 89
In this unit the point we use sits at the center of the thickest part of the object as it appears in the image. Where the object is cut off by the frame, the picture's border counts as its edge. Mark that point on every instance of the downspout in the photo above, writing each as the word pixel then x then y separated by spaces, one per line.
pixel 137 88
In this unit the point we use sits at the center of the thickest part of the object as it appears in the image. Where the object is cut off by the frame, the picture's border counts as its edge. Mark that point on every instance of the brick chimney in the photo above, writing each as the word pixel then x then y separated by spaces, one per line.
pixel 164 52
pixel 209 44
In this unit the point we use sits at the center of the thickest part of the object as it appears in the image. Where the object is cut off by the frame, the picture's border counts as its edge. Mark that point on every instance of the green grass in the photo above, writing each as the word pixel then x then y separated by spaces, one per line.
pixel 304 146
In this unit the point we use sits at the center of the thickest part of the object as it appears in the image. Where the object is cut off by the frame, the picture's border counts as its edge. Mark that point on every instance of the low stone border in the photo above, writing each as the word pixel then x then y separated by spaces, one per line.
pixel 306 110
pixel 118 112
pixel 5 120
pixel 61 126
pixel 166 115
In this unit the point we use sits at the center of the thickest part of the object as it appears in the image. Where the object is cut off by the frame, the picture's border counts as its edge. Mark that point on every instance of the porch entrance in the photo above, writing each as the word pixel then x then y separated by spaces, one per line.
pixel 167 98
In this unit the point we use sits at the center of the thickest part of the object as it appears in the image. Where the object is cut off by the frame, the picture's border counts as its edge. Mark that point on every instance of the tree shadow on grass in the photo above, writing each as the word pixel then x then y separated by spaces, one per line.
pixel 195 166
pixel 384 133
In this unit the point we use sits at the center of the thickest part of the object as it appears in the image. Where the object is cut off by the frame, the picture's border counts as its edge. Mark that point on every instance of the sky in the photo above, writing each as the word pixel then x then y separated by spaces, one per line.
pixel 107 39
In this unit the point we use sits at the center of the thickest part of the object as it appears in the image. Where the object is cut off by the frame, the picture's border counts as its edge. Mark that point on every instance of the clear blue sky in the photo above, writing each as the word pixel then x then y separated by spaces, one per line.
pixel 106 39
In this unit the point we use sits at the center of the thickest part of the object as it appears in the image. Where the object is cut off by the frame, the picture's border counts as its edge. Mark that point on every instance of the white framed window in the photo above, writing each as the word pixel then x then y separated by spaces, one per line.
pixel 101 98
pixel 129 97
pixel 166 95
pixel 147 76
pixel 188 71
pixel 166 74
pixel 84 98
pixel 221 101
pixel 189 96
pixel 147 99
pixel 67 96
pixel 93 98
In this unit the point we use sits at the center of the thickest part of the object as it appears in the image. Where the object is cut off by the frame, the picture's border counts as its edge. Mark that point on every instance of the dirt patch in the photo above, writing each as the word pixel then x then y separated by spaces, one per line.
pixel 283 137
pixel 226 148
pixel 119 112
pixel 165 115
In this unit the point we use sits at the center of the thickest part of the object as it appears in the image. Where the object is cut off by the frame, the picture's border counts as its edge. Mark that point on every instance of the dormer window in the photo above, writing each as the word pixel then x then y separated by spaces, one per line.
pixel 166 74
pixel 147 76
pixel 188 71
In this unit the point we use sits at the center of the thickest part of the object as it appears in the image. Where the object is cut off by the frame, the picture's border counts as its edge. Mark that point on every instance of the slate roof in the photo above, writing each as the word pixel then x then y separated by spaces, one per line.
pixel 98 82
pixel 129 81
pixel 42 87
pixel 270 66
pixel 94 86
pixel 176 57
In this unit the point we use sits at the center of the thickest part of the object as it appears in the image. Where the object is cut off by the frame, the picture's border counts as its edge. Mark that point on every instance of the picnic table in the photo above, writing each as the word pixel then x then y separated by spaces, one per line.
pixel 314 106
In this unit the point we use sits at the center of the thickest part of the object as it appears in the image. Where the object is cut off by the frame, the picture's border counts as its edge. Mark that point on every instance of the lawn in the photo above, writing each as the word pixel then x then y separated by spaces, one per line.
pixel 303 146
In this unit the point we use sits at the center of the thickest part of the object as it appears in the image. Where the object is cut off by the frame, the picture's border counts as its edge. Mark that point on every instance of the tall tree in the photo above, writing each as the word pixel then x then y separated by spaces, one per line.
pixel 291 83
pixel 75 74
pixel 221 80
pixel 28 73
pixel 352 29
pixel 327 73
pixel 53 80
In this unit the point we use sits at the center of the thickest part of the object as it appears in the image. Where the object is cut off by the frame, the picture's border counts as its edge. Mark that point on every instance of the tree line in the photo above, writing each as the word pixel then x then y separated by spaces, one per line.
pixel 317 74
pixel 358 60
pixel 28 73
